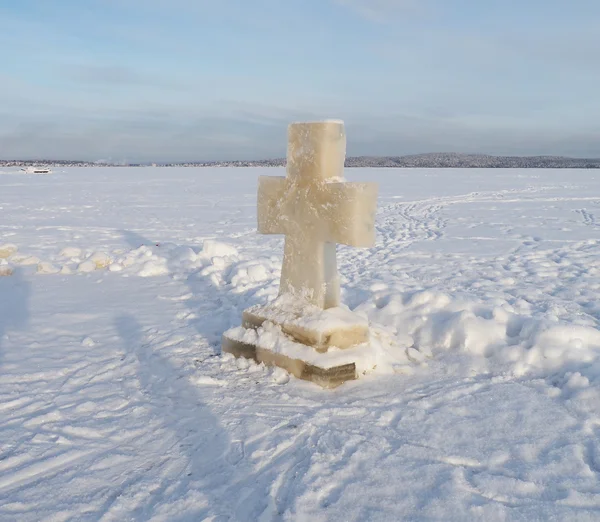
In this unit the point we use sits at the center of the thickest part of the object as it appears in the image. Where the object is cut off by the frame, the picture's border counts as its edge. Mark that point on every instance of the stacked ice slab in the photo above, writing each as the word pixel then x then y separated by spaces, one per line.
pixel 306 331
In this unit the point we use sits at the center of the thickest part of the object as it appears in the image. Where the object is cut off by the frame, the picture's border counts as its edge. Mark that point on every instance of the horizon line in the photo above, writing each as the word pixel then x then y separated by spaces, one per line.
pixel 283 159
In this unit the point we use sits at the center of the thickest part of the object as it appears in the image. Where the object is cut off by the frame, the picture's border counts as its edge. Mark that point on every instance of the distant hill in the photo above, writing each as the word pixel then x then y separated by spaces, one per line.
pixel 430 160
pixel 455 160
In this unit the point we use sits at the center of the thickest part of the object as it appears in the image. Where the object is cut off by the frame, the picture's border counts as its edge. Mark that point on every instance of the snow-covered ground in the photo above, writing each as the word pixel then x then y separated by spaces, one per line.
pixel 115 403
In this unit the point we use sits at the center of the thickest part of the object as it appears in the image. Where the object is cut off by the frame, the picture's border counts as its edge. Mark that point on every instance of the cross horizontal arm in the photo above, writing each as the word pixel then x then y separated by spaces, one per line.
pixel 271 195
pixel 330 212
pixel 349 213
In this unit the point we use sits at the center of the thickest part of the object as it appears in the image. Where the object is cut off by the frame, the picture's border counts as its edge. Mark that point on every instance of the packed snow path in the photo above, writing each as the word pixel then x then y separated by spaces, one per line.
pixel 115 403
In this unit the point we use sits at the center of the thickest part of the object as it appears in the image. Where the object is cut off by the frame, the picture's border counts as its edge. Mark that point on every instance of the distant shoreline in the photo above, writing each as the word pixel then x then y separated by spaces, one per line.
pixel 431 160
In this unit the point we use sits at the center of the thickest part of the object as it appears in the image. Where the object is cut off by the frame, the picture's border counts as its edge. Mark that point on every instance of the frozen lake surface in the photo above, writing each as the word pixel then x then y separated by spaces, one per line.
pixel 115 403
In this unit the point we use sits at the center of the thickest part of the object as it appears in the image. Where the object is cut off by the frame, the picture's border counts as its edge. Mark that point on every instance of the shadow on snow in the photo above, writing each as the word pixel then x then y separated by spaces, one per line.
pixel 14 306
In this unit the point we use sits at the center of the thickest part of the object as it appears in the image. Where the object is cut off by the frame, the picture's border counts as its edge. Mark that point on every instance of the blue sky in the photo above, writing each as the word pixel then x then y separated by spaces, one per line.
pixel 163 80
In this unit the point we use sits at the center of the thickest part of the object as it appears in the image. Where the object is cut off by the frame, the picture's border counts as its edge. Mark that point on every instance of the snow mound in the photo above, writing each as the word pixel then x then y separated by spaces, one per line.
pixel 100 259
pixel 24 260
pixel 70 252
pixel 212 248
pixel 86 267
pixel 495 336
pixel 7 250
pixel 155 267
pixel 47 268
pixel 154 260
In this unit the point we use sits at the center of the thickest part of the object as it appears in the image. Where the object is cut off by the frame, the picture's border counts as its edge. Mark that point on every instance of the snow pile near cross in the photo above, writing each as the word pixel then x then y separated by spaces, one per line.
pixel 408 329
pixel 144 261
pixel 414 328
pixel 497 338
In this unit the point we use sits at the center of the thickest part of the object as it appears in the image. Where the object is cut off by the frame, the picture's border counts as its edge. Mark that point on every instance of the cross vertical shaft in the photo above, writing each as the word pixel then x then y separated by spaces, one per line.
pixel 310 271
pixel 316 154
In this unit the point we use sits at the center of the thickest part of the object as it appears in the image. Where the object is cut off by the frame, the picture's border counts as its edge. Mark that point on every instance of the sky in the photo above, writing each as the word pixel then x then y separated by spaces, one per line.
pixel 198 80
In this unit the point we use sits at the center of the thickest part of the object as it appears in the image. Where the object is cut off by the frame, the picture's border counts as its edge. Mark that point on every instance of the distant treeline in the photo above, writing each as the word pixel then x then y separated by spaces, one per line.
pixel 432 160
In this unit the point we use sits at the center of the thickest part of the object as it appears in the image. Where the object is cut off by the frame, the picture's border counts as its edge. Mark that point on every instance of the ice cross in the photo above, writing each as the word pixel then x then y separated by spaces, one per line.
pixel 316 209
